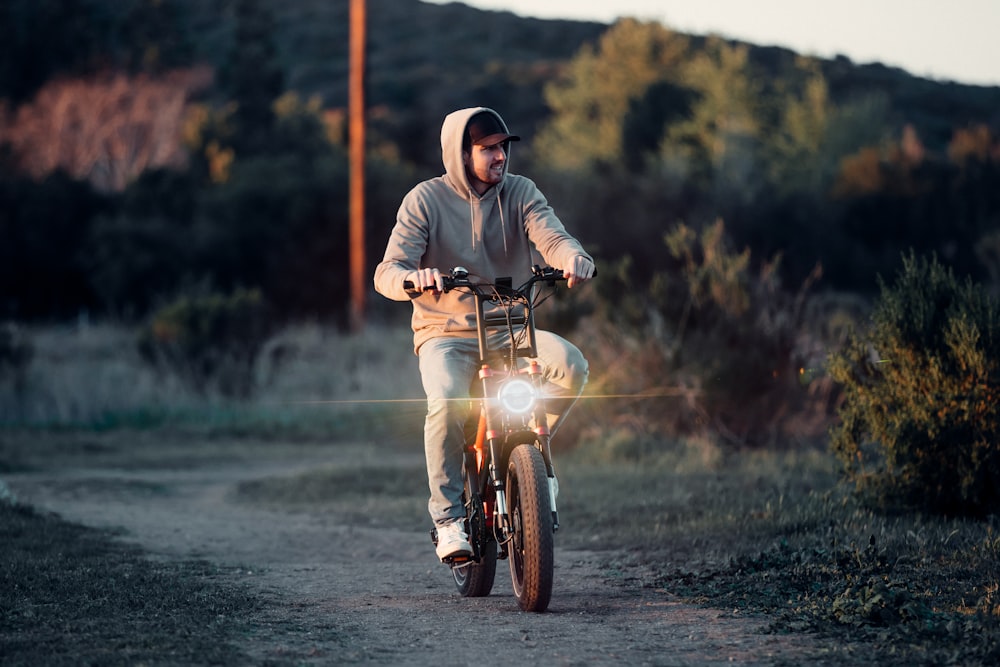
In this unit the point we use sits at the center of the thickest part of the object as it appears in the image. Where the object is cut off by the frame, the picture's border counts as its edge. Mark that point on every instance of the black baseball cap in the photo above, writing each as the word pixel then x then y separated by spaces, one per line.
pixel 485 129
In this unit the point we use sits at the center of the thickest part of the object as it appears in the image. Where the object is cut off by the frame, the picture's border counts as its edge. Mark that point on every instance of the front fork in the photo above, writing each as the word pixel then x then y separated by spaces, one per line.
pixel 493 441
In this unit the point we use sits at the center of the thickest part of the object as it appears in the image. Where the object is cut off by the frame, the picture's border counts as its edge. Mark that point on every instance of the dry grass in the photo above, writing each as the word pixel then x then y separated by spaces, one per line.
pixel 309 378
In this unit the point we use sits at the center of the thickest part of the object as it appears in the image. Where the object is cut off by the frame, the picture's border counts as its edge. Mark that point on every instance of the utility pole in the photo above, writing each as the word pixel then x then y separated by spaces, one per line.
pixel 356 131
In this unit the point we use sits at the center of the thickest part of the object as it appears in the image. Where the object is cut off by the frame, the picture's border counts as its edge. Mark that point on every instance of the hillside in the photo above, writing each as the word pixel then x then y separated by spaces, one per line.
pixel 434 58
pixel 423 59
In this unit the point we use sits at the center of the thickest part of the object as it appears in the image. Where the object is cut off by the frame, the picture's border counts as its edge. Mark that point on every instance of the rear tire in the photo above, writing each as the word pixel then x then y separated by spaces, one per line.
pixel 475 580
pixel 532 542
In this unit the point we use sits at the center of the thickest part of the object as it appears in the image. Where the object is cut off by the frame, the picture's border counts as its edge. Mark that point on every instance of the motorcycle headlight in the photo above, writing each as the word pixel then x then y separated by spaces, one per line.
pixel 517 396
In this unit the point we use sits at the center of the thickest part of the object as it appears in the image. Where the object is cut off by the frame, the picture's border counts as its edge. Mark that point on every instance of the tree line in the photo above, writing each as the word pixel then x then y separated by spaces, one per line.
pixel 138 164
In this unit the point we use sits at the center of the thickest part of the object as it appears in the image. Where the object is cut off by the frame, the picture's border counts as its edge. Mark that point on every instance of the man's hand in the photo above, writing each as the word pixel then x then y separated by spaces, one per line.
pixel 426 279
pixel 580 271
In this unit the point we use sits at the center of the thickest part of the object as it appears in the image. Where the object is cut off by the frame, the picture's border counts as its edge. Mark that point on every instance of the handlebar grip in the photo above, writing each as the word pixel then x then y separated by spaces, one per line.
pixel 408 285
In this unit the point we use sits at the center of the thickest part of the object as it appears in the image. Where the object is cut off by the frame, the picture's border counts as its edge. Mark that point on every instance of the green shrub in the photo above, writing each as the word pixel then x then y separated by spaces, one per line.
pixel 210 341
pixel 920 418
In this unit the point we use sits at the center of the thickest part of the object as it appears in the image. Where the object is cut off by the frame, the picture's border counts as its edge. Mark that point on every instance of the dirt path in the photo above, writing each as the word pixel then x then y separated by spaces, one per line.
pixel 348 594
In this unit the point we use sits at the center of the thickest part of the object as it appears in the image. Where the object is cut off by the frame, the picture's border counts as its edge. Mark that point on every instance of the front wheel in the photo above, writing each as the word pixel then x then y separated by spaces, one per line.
pixel 531 546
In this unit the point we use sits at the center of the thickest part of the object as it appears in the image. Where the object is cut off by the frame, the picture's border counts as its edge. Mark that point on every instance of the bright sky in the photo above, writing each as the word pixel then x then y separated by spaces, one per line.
pixel 956 40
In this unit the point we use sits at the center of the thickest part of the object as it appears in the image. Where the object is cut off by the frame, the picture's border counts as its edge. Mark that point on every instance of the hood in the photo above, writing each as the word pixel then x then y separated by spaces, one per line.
pixel 452 131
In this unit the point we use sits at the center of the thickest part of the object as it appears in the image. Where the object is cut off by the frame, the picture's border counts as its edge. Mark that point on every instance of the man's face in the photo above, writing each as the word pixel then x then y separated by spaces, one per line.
pixel 484 166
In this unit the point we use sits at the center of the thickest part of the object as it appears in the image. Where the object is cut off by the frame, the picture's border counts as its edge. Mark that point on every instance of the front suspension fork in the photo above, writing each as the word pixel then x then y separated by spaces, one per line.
pixel 544 439
pixel 489 438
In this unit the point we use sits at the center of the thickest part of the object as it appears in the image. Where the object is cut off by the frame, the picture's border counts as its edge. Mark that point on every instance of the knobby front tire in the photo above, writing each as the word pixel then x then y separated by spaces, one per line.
pixel 531 547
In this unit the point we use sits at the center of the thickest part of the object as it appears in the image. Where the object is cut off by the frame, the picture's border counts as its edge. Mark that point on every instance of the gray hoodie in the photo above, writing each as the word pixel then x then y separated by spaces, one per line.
pixel 442 223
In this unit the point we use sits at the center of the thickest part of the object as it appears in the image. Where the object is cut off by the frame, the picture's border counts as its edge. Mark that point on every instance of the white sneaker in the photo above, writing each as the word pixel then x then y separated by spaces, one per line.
pixel 452 541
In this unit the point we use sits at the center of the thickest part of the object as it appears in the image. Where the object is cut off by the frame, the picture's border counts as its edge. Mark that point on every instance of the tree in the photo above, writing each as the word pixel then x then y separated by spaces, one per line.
pixel 600 90
pixel 104 129
pixel 252 79
pixel 798 145
pixel 719 140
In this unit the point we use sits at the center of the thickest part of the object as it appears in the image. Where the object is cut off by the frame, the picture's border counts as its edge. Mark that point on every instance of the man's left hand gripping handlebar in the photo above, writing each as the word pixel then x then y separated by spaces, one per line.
pixel 580 271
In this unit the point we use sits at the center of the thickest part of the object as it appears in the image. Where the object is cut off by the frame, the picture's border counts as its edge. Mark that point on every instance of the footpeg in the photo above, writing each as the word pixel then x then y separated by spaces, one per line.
pixel 458 560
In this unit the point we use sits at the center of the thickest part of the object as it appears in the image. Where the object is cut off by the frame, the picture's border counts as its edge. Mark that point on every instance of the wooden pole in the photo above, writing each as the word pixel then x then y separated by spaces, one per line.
pixel 356 130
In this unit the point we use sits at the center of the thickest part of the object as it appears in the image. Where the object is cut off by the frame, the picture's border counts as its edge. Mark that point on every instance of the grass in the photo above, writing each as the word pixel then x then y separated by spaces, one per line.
pixel 310 381
pixel 71 595
pixel 777 534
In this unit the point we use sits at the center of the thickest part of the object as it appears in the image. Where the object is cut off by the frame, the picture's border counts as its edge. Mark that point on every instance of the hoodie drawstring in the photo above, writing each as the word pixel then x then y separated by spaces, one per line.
pixel 473 198
pixel 503 223
pixel 472 217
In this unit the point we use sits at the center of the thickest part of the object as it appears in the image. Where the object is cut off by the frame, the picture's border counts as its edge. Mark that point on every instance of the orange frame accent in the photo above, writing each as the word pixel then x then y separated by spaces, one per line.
pixel 481 442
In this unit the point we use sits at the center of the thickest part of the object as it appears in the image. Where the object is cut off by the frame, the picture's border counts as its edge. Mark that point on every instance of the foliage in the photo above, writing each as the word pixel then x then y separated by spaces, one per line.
pixel 271 221
pixel 813 160
pixel 718 144
pixel 600 92
pixel 727 339
pixel 278 223
pixel 712 135
pixel 651 100
pixel 252 79
pixel 211 341
pixel 121 126
pixel 921 419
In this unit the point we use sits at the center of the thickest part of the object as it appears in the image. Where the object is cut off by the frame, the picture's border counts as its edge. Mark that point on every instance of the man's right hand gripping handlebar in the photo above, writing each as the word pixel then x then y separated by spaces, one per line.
pixel 424 280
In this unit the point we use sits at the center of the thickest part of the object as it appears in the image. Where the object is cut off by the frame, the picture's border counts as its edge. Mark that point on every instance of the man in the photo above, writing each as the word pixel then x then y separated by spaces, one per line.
pixel 495 224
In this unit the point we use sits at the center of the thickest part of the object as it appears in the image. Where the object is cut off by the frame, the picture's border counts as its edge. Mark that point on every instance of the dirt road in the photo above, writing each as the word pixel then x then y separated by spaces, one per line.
pixel 341 593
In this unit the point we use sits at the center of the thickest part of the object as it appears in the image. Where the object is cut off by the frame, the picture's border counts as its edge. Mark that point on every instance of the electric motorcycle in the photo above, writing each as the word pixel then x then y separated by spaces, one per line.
pixel 510 483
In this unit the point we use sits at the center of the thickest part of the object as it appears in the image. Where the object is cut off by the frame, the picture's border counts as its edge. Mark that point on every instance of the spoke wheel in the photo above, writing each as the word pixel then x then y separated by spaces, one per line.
pixel 531 558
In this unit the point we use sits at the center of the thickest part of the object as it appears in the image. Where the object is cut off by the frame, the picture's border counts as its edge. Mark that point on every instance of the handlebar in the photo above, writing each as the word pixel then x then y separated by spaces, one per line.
pixel 459 277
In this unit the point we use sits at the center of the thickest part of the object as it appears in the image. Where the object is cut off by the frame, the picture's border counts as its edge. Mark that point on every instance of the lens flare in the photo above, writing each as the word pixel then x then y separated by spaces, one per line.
pixel 517 396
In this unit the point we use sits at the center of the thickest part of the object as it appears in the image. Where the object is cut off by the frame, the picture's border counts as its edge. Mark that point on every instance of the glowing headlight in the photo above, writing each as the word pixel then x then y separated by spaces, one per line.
pixel 517 396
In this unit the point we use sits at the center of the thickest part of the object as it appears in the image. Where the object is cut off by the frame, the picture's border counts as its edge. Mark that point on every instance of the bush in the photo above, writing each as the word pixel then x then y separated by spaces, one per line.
pixel 210 341
pixel 719 343
pixel 921 417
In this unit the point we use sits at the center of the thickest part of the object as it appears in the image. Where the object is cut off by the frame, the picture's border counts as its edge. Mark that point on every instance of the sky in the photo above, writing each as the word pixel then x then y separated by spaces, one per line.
pixel 955 40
